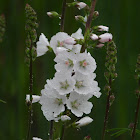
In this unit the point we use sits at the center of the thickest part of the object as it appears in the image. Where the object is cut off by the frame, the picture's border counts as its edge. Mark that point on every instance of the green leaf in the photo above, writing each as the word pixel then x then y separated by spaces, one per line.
pixel 2 101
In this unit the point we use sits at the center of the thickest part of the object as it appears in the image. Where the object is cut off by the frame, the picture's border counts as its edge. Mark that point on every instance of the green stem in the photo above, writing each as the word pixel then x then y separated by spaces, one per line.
pixel 88 24
pixel 31 92
pixel 51 130
pixel 62 132
pixel 107 110
pixel 63 15
pixel 136 117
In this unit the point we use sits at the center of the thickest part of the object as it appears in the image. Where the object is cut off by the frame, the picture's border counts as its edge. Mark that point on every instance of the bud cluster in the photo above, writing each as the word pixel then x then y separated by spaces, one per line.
pixel 2 27
pixel 31 35
pixel 111 60
pixel 138 67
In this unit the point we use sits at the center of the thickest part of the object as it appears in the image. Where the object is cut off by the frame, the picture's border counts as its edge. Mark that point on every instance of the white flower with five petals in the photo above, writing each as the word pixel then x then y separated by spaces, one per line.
pixel 79 104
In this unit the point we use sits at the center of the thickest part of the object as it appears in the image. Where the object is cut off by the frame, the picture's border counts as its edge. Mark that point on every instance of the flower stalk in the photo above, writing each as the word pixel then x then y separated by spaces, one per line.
pixel 110 76
pixel 88 24
pixel 138 95
pixel 30 28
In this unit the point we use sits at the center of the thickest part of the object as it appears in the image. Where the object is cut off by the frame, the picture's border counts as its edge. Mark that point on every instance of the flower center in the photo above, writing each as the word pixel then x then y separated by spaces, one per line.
pixel 69 62
pixel 60 44
pixel 64 84
pixel 75 104
pixel 83 63
pixel 58 101
pixel 79 84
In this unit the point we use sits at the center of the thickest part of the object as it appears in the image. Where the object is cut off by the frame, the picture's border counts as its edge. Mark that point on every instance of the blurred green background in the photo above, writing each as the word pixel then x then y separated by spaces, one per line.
pixel 122 16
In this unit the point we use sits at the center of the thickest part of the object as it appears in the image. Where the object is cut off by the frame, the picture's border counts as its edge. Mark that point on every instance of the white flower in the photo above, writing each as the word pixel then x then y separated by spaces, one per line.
pixel 42 45
pixel 58 41
pixel 94 37
pixel 52 103
pixel 103 28
pixel 100 45
pixel 70 41
pixel 63 83
pixel 106 37
pixel 84 121
pixel 35 99
pixel 78 104
pixel 60 49
pixel 77 35
pixel 83 82
pixel 65 118
pixel 65 61
pixel 35 138
pixel 85 63
pixel 81 5
pixel 95 90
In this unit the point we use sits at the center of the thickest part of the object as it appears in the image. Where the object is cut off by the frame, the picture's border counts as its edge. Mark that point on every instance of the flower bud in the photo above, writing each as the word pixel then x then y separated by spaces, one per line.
pixel 94 37
pixel 84 121
pixel 103 28
pixel 27 98
pixel 80 18
pixel 53 14
pixel 65 118
pixel 81 5
pixel 87 138
pixel 70 41
pixel 131 125
pixel 105 37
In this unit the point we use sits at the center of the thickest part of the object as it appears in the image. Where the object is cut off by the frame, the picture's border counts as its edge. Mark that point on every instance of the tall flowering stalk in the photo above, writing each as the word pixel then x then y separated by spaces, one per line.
pixel 110 76
pixel 2 27
pixel 31 35
pixel 138 96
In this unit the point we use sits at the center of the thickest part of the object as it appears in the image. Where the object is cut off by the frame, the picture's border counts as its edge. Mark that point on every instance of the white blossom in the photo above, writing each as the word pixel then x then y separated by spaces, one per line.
pixel 77 35
pixel 103 28
pixel 94 37
pixel 35 138
pixel 65 61
pixel 42 45
pixel 106 37
pixel 81 5
pixel 58 41
pixel 83 82
pixel 65 118
pixel 52 103
pixel 63 83
pixel 79 104
pixel 85 63
pixel 35 98
pixel 85 19
pixel 84 121
pixel 60 49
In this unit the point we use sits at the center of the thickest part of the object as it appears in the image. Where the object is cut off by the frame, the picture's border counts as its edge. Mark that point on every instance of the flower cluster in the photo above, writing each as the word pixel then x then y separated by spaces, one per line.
pixel 74 81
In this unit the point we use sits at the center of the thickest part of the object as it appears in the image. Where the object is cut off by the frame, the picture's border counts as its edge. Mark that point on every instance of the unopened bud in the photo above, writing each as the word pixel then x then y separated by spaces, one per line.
pixel 53 14
pixel 131 125
pixel 65 118
pixel 80 18
pixel 84 121
pixel 94 37
pixel 81 5
pixel 87 138
pixel 105 37
pixel 103 28
pixel 70 41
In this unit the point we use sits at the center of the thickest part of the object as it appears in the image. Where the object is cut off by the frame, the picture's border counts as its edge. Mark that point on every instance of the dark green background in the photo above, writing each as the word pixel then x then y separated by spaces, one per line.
pixel 123 18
